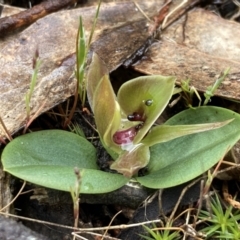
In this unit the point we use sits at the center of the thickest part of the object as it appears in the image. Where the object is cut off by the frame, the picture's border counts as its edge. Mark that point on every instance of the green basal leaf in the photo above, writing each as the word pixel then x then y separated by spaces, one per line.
pixel 182 159
pixel 50 147
pixel 63 178
pixel 48 158
pixel 147 96
pixel 96 71
pixel 164 133
pixel 129 162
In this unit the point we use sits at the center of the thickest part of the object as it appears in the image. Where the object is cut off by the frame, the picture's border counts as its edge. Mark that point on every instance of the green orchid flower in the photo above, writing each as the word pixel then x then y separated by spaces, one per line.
pixel 125 122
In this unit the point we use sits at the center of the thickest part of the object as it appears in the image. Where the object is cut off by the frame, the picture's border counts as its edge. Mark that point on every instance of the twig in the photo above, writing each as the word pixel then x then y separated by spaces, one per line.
pixel 141 11
pixel 173 11
pixel 180 198
pixel 34 116
pixel 27 17
pixel 72 111
pixel 6 131
pixel 95 234
pixel 181 9
pixel 110 224
pixel 159 18
pixel 122 226
pixel 19 192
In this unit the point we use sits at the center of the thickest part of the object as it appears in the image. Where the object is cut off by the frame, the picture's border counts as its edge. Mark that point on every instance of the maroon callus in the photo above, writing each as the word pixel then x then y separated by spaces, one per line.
pixel 125 136
pixel 135 117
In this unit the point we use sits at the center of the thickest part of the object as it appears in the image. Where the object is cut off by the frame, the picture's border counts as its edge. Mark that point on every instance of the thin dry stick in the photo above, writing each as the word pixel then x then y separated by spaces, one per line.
pixel 191 4
pixel 38 221
pixel 2 141
pixel 158 19
pixel 89 123
pixel 55 114
pixel 27 17
pixel 189 230
pixel 6 130
pixel 180 198
pixel 236 15
pixel 122 226
pixel 236 3
pixel 142 12
pixel 190 227
pixel 172 12
pixel 95 234
pixel 34 116
pixel 233 166
pixel 168 228
pixel 72 111
pixel 214 174
pixel 110 224
pixel 83 238
pixel 24 183
pixel 160 193
pixel 183 212
pixel 148 200
pixel 200 201
pixel 75 192
pixel 205 190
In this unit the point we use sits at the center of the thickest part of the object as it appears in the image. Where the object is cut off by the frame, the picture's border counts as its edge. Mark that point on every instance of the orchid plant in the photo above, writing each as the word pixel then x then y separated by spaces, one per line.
pixel 182 148
pixel 125 122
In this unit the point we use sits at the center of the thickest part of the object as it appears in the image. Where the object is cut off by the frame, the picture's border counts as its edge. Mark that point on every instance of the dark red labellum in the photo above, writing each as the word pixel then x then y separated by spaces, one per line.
pixel 125 136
